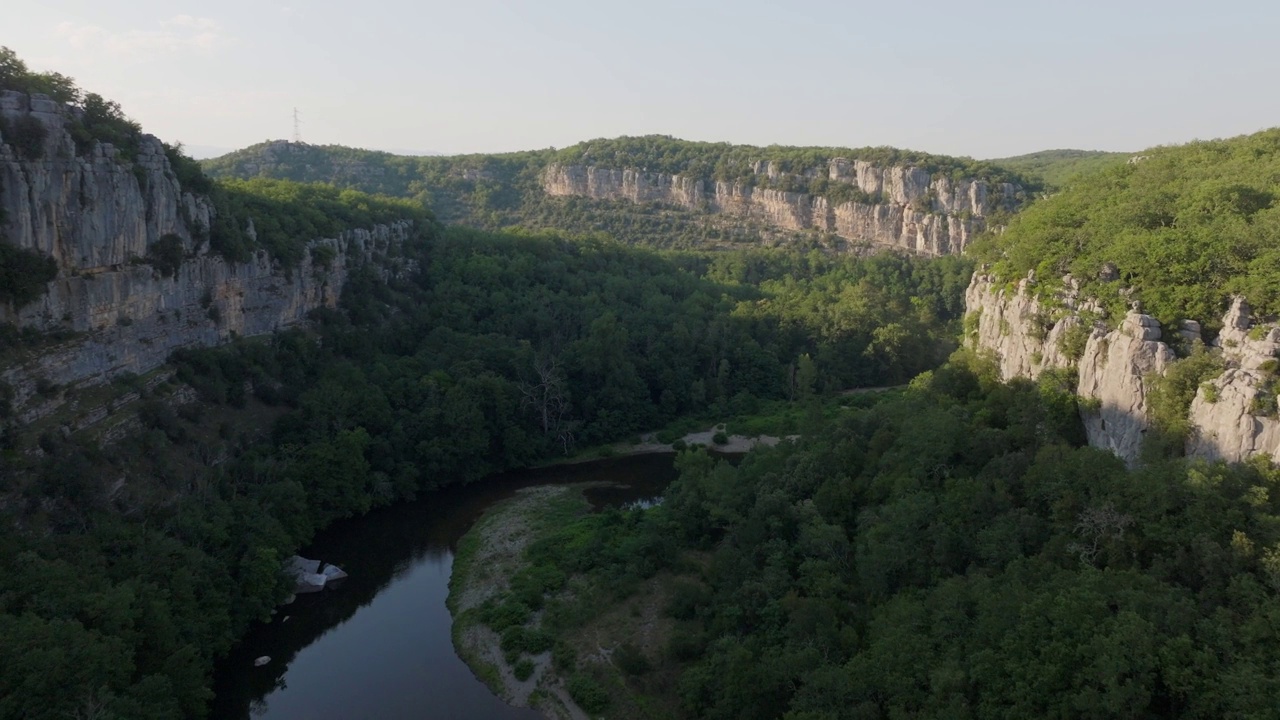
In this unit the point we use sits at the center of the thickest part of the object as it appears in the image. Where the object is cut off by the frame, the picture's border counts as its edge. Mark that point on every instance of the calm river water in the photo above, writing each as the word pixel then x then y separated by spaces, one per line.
pixel 378 646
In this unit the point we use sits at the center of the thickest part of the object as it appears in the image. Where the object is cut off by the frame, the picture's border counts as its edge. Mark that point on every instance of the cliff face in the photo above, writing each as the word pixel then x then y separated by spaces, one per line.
pixel 97 215
pixel 1111 369
pixel 92 211
pixel 911 210
pixel 1227 426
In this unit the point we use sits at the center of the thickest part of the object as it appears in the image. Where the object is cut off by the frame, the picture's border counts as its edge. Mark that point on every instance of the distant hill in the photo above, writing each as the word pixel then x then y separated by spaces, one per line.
pixel 1055 167
pixel 661 191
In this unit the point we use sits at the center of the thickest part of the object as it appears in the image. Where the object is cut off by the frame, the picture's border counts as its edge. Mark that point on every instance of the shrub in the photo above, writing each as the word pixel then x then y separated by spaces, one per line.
pixel 631 660
pixel 1169 396
pixel 588 694
pixel 166 254
pixel 1073 341
pixel 504 615
pixel 564 656
pixel 24 274
pixel 720 438
pixel 523 670
pixel 27 134
pixel 322 256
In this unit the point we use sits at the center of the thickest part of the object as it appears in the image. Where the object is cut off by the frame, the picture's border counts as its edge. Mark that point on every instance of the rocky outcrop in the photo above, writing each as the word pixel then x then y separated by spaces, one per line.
pixel 1026 336
pixel 1112 374
pixel 89 211
pixel 97 214
pixel 1225 416
pixel 133 319
pixel 905 208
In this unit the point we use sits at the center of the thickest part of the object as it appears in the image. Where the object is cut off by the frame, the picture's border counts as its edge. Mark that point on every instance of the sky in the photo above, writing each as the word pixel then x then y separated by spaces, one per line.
pixel 982 78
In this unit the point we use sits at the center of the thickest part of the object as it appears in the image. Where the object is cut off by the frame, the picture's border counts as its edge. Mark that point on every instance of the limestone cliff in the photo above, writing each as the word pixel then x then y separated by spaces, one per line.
pixel 97 214
pixel 1111 366
pixel 905 207
pixel 1228 422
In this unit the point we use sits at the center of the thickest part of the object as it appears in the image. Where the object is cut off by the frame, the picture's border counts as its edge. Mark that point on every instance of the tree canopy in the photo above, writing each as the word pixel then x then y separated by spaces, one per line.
pixel 1185 226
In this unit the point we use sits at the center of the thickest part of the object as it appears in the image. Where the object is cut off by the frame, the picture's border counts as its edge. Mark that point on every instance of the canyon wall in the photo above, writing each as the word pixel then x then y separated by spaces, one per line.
pixel 906 207
pixel 97 214
pixel 1111 367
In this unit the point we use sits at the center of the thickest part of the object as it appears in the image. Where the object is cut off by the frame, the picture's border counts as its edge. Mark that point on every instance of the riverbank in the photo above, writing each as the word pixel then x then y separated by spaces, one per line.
pixel 487 558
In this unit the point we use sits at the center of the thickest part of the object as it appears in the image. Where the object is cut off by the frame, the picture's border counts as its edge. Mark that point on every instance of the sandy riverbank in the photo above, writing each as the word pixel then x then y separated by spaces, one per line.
pixel 488 556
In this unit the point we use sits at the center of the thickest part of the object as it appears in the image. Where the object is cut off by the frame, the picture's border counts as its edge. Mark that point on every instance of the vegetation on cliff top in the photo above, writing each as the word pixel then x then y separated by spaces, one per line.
pixel 1185 227
pixel 730 162
pixel 98 119
pixel 285 216
pixel 501 191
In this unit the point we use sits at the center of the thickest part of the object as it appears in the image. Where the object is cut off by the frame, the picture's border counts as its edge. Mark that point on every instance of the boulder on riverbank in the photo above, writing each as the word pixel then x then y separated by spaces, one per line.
pixel 312 575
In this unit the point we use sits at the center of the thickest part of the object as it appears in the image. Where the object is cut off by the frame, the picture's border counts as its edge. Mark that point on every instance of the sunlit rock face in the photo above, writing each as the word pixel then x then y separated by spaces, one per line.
pixel 1228 422
pixel 909 210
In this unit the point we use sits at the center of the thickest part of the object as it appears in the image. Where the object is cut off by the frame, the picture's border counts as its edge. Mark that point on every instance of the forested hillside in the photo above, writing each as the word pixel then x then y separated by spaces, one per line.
pixel 949 552
pixel 1054 168
pixel 1179 229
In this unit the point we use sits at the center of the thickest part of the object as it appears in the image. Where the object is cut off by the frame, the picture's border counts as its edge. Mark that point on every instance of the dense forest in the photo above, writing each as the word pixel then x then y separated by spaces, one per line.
pixel 496 352
pixel 951 551
pixel 1183 227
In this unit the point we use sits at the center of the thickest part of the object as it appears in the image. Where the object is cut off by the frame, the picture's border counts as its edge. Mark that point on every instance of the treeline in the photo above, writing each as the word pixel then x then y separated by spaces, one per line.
pixel 1056 168
pixel 1179 229
pixel 950 552
pixel 96 119
pixel 285 216
pixel 126 570
pixel 729 162
pixel 503 191
pixel 483 189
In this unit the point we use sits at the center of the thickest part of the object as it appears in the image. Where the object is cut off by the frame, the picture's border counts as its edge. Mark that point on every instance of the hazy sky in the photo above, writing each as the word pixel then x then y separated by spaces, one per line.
pixel 980 78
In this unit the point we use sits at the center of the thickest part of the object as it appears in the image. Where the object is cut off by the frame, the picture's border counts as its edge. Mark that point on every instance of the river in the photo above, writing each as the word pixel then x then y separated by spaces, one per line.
pixel 379 646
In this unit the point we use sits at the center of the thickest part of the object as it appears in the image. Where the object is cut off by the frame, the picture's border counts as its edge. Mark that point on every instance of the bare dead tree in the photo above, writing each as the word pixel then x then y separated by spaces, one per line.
pixel 1096 526
pixel 545 395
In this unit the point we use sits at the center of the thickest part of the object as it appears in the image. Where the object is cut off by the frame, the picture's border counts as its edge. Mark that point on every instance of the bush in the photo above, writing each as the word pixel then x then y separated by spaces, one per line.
pixel 1073 341
pixel 631 660
pixel 27 134
pixel 588 694
pixel 563 656
pixel 166 254
pixel 523 670
pixel 720 438
pixel 502 616
pixel 24 274
pixel 190 176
